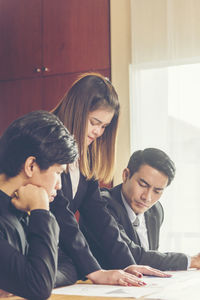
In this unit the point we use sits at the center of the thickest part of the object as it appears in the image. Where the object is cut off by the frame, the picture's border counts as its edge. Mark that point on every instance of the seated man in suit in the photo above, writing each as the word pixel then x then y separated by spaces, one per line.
pixel 34 151
pixel 134 205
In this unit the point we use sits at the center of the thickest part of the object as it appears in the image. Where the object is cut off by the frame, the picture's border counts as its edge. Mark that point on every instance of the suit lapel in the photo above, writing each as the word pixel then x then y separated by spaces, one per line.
pixel 21 243
pixel 152 230
pixel 130 230
pixel 81 192
pixel 134 235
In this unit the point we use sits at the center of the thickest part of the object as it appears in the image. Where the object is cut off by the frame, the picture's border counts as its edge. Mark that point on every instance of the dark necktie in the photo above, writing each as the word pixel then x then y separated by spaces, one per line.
pixel 136 223
pixel 24 223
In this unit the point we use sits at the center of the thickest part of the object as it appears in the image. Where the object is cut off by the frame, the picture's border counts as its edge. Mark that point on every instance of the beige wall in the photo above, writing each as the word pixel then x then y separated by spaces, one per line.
pixel 120 60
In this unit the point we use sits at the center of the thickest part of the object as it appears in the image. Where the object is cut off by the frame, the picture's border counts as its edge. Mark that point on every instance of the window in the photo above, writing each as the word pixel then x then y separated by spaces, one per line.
pixel 165 108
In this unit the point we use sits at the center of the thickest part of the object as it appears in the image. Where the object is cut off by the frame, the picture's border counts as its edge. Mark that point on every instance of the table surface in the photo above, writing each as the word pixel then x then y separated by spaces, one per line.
pixel 184 285
pixel 69 297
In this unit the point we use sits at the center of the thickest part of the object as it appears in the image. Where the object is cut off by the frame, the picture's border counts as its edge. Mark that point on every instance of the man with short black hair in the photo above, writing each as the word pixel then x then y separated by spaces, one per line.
pixel 136 208
pixel 34 151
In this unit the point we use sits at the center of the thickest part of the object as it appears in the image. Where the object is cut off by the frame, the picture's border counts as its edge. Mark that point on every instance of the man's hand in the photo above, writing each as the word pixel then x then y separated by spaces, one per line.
pixel 31 197
pixel 115 277
pixel 138 270
pixel 195 261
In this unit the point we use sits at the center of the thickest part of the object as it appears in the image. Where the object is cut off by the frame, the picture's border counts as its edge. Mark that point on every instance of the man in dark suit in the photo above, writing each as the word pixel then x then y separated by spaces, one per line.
pixel 135 206
pixel 34 151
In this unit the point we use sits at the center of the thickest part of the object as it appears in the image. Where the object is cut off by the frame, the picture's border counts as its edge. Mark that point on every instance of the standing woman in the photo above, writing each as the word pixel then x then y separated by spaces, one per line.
pixel 90 111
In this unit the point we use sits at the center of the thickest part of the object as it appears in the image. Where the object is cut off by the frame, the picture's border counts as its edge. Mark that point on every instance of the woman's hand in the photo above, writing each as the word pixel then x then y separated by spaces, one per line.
pixel 138 270
pixel 115 277
pixel 4 294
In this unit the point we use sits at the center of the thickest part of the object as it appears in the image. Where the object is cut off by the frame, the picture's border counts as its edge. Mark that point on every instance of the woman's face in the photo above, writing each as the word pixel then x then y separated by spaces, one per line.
pixel 98 120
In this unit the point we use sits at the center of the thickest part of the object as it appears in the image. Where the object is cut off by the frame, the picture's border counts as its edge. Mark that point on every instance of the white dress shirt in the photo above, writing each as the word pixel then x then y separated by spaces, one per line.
pixel 141 229
pixel 74 172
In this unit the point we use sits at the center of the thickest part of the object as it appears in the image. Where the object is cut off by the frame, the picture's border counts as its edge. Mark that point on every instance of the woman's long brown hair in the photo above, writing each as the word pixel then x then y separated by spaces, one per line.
pixel 90 92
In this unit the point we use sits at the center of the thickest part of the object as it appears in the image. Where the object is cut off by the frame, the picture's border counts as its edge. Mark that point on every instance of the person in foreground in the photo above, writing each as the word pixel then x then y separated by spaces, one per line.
pixel 34 151
pixel 136 208
pixel 90 111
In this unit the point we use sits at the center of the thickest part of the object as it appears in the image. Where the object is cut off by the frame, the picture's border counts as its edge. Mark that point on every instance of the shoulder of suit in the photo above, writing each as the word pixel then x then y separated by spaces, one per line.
pixel 110 193
pixel 113 200
pixel 106 194
pixel 157 209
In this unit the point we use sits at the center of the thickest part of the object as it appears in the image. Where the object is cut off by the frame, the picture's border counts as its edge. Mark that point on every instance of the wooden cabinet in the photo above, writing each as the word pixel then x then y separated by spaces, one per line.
pixel 75 35
pixel 20 38
pixel 45 44
pixel 18 97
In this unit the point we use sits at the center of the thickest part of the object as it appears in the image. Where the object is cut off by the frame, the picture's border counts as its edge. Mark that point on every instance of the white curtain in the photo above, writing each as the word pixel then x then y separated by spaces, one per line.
pixel 165 107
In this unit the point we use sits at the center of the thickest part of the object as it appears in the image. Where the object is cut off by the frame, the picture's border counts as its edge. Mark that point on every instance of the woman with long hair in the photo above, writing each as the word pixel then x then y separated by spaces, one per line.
pixel 90 111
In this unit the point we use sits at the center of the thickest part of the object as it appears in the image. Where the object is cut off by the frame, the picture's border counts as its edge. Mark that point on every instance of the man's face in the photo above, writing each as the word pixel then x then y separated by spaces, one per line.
pixel 144 188
pixel 49 179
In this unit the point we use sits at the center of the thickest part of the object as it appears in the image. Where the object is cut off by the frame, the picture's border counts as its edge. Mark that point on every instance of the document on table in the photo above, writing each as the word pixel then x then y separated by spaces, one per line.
pixel 182 285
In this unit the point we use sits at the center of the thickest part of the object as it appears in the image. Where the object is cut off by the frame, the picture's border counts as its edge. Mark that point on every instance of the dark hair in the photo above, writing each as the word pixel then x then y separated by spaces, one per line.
pixel 91 91
pixel 40 134
pixel 155 158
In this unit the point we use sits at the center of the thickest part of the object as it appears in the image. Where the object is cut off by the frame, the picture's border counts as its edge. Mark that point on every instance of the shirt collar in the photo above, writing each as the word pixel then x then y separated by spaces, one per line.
pixel 131 214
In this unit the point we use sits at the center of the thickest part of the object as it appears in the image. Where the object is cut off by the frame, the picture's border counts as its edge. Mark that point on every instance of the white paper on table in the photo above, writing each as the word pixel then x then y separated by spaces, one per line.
pixel 185 285
pixel 182 283
pixel 102 290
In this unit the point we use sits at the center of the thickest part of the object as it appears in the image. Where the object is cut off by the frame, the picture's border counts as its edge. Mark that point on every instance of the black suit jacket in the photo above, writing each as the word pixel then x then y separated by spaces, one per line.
pixel 93 211
pixel 154 219
pixel 28 251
